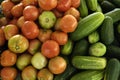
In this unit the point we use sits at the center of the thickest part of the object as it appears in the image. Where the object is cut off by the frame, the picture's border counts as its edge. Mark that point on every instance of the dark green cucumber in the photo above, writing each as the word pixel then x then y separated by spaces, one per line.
pixel 80 48
pixel 83 8
pixel 112 69
pixel 87 25
pixel 89 62
pixel 89 75
pixel 92 4
pixel 114 14
pixel 107 31
pixel 116 2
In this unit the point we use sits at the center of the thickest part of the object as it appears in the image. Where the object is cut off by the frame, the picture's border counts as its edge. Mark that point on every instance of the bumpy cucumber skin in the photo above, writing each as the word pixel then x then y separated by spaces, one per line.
pixel 89 75
pixel 112 69
pixel 87 25
pixel 107 31
pixel 92 4
pixel 89 62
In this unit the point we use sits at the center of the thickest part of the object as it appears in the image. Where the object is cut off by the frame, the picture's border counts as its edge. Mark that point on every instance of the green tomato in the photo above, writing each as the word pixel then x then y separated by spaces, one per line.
pixel 38 60
pixel 47 19
pixel 97 49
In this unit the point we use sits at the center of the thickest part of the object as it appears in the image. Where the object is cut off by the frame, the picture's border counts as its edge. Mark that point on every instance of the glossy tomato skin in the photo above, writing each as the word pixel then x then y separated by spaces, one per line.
pixel 44 34
pixel 8 73
pixel 50 48
pixel 47 4
pixel 63 5
pixel 30 13
pixel 57 65
pixel 60 37
pixel 8 58
pixel 68 23
pixel 75 3
pixel 30 29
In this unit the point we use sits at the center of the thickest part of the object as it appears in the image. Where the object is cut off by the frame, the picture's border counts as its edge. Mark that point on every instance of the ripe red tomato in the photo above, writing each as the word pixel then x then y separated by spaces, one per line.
pixel 50 48
pixel 47 4
pixel 60 37
pixel 30 13
pixel 57 65
pixel 68 23
pixel 30 29
pixel 63 5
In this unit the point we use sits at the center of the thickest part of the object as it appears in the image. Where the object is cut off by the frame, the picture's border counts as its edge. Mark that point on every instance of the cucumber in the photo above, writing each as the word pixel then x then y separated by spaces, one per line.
pixel 89 75
pixel 116 2
pixel 92 4
pixel 89 62
pixel 99 8
pixel 80 48
pixel 87 25
pixel 112 69
pixel 107 31
pixel 83 8
pixel 114 14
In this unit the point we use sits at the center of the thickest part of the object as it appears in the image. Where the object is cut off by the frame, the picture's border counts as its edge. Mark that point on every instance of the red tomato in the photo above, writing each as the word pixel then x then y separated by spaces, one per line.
pixel 30 13
pixel 57 65
pixel 60 37
pixel 63 5
pixel 44 35
pixel 68 23
pixel 50 48
pixel 29 2
pixel 47 4
pixel 8 73
pixel 75 3
pixel 30 29
pixel 13 21
pixel 17 10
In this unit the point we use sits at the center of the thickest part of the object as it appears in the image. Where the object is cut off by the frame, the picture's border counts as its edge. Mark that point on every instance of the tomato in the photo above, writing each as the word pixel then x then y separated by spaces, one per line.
pixel 63 5
pixel 8 58
pixel 8 73
pixel 18 43
pixel 34 46
pixel 73 11
pixel 68 23
pixel 3 21
pixel 30 13
pixel 2 37
pixel 29 2
pixel 57 24
pixel 75 3
pixel 60 37
pixel 47 4
pixel 10 30
pixel 13 21
pixel 57 65
pixel 29 73
pixel 44 34
pixel 20 21
pixel 6 7
pixel 57 13
pixel 17 10
pixel 44 74
pixel 50 48
pixel 30 30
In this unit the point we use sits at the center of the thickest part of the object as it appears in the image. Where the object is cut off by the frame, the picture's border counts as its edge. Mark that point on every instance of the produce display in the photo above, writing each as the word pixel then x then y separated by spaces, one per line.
pixel 60 40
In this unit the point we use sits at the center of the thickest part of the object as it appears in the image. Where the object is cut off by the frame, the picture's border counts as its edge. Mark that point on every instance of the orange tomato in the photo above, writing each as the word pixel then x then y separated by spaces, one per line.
pixel 47 4
pixel 44 34
pixel 60 37
pixel 30 13
pixel 68 23
pixel 57 65
pixel 2 37
pixel 29 2
pixel 50 48
pixel 30 30
pixel 17 10
pixel 8 58
pixel 75 3
pixel 8 73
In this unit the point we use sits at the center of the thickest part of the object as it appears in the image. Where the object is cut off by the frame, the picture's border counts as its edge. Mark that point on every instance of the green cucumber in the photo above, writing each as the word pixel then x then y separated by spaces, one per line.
pixel 114 14
pixel 116 2
pixel 89 62
pixel 107 31
pixel 89 75
pixel 83 8
pixel 112 69
pixel 87 25
pixel 99 8
pixel 92 4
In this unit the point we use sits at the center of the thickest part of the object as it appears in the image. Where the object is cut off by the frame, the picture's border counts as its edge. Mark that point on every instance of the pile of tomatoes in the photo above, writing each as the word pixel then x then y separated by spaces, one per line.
pixel 34 39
